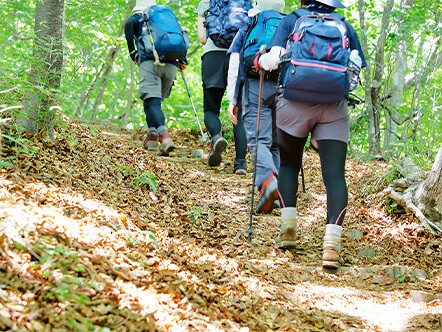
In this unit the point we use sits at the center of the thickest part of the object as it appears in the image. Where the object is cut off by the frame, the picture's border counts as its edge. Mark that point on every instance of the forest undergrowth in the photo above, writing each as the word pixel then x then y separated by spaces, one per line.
pixel 97 234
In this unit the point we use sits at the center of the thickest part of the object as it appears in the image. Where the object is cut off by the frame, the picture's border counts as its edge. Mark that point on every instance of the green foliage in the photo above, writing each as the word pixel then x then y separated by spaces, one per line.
pixel 151 236
pixel 147 178
pixel 391 175
pixel 194 214
pixel 392 207
pixel 15 139
pixel 133 240
pixel 60 259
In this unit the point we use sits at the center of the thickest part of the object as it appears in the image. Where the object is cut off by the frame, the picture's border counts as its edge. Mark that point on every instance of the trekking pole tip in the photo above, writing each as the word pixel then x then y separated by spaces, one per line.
pixel 249 236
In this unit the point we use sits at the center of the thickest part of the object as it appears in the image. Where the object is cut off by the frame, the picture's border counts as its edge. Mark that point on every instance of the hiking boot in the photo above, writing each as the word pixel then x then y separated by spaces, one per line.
pixel 289 226
pixel 217 146
pixel 240 166
pixel 166 145
pixel 331 255
pixel 330 258
pixel 269 193
pixel 150 142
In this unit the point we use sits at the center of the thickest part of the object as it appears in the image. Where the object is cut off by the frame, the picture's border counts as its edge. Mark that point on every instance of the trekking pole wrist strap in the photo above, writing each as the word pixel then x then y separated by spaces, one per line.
pixel 256 60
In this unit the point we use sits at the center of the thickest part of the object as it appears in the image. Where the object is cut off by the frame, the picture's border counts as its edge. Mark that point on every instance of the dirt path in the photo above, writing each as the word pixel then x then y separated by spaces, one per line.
pixel 87 245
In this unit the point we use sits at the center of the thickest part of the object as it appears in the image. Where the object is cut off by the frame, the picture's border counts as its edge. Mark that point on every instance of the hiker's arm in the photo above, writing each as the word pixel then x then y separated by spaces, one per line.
pixel 269 61
pixel 233 111
pixel 232 75
pixel 231 86
pixel 355 45
pixel 202 30
pixel 129 32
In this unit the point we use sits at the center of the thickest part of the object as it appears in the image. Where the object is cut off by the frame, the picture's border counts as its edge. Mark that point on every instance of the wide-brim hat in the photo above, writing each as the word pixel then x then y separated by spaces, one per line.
pixel 262 5
pixel 332 3
pixel 141 5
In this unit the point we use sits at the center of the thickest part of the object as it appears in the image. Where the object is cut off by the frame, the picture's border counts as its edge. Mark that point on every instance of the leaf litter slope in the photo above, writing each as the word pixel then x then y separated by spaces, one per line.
pixel 82 248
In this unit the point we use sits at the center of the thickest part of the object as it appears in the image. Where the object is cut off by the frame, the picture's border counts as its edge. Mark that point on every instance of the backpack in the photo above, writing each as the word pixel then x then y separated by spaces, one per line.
pixel 161 33
pixel 260 31
pixel 224 19
pixel 315 70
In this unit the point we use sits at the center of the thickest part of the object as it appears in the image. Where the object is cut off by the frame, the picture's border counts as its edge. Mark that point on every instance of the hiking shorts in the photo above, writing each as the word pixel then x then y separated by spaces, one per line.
pixel 156 81
pixel 214 69
pixel 324 121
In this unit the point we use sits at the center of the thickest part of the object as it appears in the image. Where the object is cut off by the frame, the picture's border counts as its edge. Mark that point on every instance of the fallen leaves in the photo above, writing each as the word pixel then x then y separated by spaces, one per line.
pixel 82 247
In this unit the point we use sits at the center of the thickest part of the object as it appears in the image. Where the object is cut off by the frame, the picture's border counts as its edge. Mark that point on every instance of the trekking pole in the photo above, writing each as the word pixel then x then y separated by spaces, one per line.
pixel 303 180
pixel 203 135
pixel 255 157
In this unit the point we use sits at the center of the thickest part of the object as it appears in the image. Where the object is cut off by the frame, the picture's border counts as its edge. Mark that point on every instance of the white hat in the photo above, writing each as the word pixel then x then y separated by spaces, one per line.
pixel 262 5
pixel 141 5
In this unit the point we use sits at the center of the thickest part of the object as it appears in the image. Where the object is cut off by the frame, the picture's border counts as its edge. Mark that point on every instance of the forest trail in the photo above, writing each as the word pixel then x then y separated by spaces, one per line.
pixel 87 245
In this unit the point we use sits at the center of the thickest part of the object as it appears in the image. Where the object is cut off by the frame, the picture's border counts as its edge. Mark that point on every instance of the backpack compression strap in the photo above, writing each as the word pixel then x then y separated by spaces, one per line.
pixel 302 12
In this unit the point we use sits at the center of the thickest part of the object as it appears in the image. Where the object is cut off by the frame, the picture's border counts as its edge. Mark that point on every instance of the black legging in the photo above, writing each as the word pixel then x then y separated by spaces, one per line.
pixel 154 114
pixel 212 105
pixel 332 154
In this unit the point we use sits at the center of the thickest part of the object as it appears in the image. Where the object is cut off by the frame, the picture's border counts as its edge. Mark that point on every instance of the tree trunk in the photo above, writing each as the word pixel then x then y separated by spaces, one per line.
pixel 374 114
pixel 428 196
pixel 130 99
pixel 420 194
pixel 38 111
pixel 367 81
pixel 109 61
pixel 104 71
pixel 393 115
pixel 85 96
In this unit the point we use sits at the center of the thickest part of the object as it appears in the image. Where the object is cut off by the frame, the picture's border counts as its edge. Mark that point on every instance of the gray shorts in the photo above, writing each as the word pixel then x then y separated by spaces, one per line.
pixel 156 81
pixel 324 121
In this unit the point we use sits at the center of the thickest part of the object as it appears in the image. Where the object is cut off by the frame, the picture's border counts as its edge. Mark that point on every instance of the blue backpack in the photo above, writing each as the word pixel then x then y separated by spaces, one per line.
pixel 260 31
pixel 161 33
pixel 316 61
pixel 224 19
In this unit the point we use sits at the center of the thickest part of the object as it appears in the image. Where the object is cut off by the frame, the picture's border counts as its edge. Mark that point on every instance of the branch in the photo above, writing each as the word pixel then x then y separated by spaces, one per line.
pixel 195 50
pixel 404 200
pixel 10 108
pixel 9 90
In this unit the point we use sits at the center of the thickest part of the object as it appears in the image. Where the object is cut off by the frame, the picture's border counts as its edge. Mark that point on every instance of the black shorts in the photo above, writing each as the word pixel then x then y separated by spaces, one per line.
pixel 214 69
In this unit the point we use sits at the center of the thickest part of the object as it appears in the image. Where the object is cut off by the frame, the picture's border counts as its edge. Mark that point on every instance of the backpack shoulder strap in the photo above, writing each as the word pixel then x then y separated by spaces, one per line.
pixel 250 26
pixel 301 12
pixel 337 16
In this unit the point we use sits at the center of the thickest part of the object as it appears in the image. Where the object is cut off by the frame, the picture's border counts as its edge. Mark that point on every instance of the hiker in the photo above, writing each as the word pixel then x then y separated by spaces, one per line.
pixel 155 82
pixel 328 123
pixel 214 69
pixel 265 15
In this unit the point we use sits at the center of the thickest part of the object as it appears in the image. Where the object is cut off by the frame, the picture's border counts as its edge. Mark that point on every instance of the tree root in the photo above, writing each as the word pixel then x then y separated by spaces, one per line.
pixel 405 200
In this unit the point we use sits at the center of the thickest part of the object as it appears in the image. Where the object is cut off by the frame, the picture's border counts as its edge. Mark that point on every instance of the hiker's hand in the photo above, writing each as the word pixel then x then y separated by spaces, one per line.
pixel 182 64
pixel 269 61
pixel 134 55
pixel 137 59
pixel 233 111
